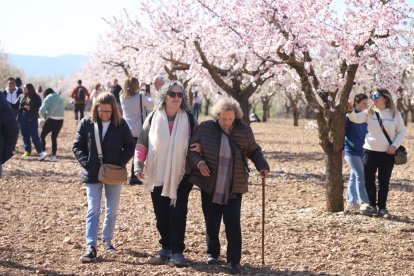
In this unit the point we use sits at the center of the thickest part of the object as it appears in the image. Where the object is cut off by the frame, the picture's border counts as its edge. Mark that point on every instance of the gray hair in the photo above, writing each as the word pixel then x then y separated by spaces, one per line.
pixel 159 77
pixel 226 104
pixel 160 98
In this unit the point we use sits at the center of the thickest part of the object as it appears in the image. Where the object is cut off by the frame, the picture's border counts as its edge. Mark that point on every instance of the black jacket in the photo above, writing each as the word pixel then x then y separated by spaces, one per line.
pixel 117 147
pixel 9 130
pixel 34 103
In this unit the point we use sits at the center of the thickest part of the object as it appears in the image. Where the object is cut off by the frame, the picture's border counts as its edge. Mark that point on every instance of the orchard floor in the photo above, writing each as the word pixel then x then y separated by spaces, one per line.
pixel 43 204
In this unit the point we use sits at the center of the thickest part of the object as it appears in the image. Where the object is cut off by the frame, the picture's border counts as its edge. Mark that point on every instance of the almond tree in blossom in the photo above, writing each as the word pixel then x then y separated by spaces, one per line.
pixel 325 49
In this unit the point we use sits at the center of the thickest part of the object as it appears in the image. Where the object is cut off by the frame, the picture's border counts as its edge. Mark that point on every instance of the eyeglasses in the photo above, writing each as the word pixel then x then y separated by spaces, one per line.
pixel 175 94
pixel 376 96
pixel 105 111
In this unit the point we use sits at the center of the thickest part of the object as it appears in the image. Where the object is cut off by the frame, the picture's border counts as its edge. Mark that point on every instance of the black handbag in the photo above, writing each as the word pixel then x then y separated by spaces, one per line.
pixel 400 156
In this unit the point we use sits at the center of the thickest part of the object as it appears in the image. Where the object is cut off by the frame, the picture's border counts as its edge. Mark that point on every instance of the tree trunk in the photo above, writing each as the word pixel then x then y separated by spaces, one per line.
pixel 265 103
pixel 334 182
pixel 244 105
pixel 207 104
pixel 295 115
pixel 405 117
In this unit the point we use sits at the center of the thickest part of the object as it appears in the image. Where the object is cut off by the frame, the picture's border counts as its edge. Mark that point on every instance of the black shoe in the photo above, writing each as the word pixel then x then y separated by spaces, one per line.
pixel 89 255
pixel 164 255
pixel 234 268
pixel 108 246
pixel 212 260
pixel 135 181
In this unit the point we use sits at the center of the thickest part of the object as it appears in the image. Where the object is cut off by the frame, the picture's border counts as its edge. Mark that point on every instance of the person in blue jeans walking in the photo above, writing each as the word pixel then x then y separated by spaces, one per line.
pixel 356 196
pixel 117 148
pixel 29 104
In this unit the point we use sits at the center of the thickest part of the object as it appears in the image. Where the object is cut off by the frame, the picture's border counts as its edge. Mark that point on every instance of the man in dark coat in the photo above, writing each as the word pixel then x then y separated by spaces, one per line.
pixel 115 90
pixel 8 131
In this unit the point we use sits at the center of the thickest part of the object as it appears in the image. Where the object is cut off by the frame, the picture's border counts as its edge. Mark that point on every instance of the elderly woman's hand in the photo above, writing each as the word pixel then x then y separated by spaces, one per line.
pixel 195 147
pixel 203 168
pixel 140 174
pixel 264 173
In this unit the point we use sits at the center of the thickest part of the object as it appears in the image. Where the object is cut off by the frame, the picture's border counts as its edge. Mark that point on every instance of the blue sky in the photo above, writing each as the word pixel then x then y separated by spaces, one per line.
pixel 56 27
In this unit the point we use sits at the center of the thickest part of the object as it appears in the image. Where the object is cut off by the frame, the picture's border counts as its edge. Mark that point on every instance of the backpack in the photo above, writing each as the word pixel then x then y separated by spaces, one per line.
pixel 80 95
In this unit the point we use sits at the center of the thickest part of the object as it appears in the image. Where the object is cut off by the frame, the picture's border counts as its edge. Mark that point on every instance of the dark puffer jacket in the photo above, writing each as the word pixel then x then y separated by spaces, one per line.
pixel 117 147
pixel 209 133
pixel 9 130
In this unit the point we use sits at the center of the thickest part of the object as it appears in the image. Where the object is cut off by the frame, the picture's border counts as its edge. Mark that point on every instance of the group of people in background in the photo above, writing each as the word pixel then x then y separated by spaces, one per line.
pixel 171 153
pixel 28 108
pixel 368 151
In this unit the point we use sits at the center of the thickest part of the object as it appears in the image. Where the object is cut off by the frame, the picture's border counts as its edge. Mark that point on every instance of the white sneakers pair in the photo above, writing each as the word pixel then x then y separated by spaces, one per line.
pixel 44 154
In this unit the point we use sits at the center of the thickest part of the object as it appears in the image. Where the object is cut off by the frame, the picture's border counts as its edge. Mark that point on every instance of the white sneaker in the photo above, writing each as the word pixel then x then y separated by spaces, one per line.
pixel 53 158
pixel 351 207
pixel 42 155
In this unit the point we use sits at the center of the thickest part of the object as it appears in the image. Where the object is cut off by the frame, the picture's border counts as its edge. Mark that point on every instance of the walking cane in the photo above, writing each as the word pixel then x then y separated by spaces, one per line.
pixel 263 219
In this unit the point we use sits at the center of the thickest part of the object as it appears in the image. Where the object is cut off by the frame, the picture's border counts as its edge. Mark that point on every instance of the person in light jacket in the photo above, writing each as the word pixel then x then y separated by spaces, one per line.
pixel 52 111
pixel 117 148
pixel 378 153
pixel 135 107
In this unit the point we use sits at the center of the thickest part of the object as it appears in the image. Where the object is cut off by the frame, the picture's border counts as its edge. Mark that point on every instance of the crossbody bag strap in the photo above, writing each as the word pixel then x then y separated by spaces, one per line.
pixel 382 127
pixel 140 103
pixel 98 142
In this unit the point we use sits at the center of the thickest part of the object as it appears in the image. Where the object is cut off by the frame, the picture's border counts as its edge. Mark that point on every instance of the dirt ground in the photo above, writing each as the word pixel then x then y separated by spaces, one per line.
pixel 43 205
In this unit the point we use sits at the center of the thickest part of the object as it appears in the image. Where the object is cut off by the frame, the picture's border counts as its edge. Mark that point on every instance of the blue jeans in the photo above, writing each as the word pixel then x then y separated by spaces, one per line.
pixel 29 130
pixel 356 194
pixel 94 195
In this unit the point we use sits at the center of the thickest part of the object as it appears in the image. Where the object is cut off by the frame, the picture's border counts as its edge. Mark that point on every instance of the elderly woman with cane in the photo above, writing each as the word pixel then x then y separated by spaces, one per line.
pixel 220 171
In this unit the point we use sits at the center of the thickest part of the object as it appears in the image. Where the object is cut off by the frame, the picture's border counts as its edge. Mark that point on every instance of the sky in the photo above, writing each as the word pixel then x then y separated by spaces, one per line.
pixel 57 27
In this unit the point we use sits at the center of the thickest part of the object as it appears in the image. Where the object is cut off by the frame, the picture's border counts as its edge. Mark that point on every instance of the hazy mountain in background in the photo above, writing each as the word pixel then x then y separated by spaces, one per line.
pixel 42 66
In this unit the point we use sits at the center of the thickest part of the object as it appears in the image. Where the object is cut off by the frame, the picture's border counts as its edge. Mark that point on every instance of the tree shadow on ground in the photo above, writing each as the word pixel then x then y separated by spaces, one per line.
pixel 286 156
pixel 402 219
pixel 28 269
pixel 247 270
pixel 50 172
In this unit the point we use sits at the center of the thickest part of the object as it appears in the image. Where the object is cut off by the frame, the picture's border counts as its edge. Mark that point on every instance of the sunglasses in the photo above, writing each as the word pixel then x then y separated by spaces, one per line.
pixel 376 96
pixel 175 94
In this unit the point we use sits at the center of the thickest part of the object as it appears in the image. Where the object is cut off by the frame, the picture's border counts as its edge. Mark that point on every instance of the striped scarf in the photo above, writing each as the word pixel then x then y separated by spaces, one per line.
pixel 222 189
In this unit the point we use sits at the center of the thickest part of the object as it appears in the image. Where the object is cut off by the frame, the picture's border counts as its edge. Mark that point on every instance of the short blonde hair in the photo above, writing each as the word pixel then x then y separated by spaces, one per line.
pixel 106 98
pixel 226 104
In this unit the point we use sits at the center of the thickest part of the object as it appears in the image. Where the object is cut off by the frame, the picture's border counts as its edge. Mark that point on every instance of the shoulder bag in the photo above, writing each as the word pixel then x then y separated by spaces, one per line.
pixel 400 156
pixel 108 173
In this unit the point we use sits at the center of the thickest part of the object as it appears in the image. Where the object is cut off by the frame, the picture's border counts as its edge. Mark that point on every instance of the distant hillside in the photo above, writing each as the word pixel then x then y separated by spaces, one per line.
pixel 42 66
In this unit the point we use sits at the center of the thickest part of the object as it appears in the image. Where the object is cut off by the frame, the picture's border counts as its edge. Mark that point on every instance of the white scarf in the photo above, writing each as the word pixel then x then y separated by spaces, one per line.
pixel 165 163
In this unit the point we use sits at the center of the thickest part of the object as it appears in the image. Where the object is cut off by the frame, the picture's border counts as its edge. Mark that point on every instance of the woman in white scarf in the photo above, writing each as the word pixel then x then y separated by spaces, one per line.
pixel 160 161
